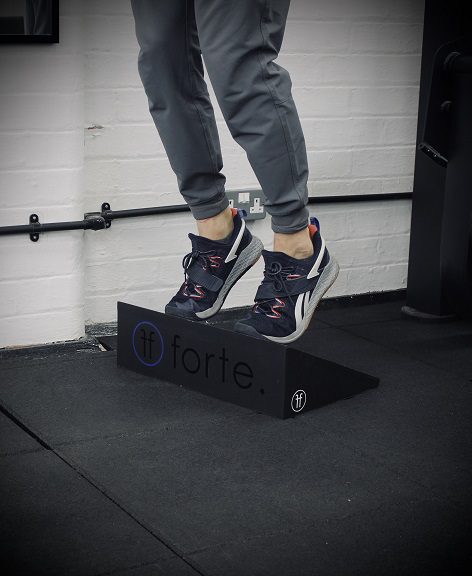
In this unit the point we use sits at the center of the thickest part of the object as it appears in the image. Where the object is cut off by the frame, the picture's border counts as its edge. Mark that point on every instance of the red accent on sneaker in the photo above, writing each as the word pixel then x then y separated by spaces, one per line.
pixel 199 292
pixel 275 313
pixel 215 261
pixel 312 229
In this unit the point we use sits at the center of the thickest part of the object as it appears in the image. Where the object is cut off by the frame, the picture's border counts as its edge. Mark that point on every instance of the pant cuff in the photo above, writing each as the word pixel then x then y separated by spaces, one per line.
pixel 291 223
pixel 210 209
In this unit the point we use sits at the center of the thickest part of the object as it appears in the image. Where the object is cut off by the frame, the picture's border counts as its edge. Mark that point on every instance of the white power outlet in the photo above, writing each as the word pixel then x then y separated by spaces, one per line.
pixel 257 208
pixel 251 201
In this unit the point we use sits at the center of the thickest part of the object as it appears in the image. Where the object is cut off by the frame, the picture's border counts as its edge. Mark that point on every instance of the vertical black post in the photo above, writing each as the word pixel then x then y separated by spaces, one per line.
pixel 457 221
pixel 439 209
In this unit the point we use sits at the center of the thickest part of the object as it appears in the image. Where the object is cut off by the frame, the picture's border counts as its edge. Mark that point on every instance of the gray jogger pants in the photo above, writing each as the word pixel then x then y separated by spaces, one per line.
pixel 238 39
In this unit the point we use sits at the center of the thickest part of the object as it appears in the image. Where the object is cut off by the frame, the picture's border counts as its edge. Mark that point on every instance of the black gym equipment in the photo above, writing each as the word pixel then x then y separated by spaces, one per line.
pixel 440 259
pixel 267 377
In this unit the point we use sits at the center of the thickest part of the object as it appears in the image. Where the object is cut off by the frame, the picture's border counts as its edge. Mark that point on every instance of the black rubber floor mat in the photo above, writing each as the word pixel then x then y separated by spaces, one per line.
pixel 377 484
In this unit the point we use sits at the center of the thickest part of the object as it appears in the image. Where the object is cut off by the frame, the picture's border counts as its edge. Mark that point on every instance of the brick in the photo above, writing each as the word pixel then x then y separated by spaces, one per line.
pixel 400 130
pixel 339 10
pixel 328 187
pixel 123 142
pixel 71 8
pixel 382 185
pixel 333 220
pixel 105 176
pixel 110 33
pixel 358 132
pixel 330 163
pixel 316 37
pixel 55 292
pixel 394 249
pixel 41 150
pixel 374 222
pixel 393 100
pixel 111 70
pixel 24 260
pixel 97 7
pixel 344 132
pixel 383 161
pixel 123 274
pixel 353 252
pixel 374 278
pixel 405 10
pixel 20 112
pixel 31 189
pixel 48 327
pixel 388 37
pixel 117 106
pixel 355 69
pixel 32 72
pixel 319 101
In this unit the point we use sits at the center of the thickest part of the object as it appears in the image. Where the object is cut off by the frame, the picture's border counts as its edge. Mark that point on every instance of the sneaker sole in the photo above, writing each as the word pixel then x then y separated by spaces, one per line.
pixel 327 279
pixel 248 257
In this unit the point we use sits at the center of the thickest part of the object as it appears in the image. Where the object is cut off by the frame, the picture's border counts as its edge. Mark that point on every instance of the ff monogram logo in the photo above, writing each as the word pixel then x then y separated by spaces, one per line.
pixel 148 344
pixel 298 400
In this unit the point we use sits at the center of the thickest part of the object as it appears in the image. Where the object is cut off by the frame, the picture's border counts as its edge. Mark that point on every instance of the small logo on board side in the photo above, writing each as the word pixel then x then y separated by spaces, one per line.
pixel 148 344
pixel 298 400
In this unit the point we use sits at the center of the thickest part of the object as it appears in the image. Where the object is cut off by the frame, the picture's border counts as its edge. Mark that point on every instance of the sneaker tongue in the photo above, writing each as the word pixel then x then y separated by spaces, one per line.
pixel 283 259
pixel 200 243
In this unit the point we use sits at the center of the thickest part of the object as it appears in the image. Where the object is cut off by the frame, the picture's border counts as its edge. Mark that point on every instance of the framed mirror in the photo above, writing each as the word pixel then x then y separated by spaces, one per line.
pixel 29 21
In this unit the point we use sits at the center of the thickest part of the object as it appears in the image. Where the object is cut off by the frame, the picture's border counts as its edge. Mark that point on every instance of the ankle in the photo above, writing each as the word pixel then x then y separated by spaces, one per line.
pixel 297 245
pixel 217 227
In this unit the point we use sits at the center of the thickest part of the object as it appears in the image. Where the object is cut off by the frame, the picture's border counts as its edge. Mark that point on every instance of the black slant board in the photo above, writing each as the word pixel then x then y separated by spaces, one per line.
pixel 259 374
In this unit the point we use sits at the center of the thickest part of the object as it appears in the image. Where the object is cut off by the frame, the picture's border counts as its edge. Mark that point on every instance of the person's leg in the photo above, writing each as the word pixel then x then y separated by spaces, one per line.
pixel 171 70
pixel 239 40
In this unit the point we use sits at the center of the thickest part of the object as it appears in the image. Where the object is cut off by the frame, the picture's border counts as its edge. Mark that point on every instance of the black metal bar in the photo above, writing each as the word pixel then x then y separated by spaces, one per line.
pixel 87 224
pixel 99 220
pixel 359 198
pixel 173 209
pixel 133 212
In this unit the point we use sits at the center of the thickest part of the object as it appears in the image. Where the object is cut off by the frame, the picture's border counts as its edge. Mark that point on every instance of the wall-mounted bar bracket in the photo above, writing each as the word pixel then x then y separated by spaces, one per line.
pixel 105 207
pixel 34 220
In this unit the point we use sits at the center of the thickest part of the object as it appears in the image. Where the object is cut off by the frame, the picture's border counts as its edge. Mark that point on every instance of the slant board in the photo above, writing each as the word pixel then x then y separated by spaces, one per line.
pixel 251 372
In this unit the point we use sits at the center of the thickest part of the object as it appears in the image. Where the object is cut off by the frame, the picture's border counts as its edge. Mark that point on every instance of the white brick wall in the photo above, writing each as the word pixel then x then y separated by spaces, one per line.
pixel 41 171
pixel 355 72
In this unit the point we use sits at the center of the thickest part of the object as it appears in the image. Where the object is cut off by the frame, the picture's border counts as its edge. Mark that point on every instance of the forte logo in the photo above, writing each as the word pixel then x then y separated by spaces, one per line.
pixel 176 354
pixel 216 366
pixel 148 344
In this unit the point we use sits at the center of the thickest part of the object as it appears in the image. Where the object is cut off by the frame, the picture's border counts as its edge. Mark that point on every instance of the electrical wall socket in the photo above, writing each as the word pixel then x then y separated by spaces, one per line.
pixel 251 201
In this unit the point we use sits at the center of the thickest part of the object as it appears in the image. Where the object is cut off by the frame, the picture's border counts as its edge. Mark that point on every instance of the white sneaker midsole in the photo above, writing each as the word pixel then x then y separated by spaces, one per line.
pixel 326 280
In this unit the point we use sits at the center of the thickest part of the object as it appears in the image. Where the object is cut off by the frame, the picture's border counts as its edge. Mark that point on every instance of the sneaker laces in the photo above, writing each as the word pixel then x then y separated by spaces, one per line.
pixel 275 274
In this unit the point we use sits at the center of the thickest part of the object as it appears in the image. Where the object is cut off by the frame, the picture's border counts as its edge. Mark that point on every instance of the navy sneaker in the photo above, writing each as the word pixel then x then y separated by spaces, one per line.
pixel 290 292
pixel 211 269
